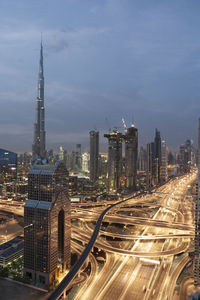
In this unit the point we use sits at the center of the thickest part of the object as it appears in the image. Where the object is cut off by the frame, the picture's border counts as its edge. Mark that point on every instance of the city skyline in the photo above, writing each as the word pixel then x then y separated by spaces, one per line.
pixel 141 60
pixel 107 204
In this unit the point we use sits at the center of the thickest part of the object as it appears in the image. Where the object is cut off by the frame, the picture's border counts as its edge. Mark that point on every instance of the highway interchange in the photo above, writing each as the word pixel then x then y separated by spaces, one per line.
pixel 136 253
pixel 154 226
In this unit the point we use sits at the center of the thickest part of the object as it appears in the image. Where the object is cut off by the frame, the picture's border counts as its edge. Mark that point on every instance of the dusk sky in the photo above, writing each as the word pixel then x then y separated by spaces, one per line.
pixel 103 59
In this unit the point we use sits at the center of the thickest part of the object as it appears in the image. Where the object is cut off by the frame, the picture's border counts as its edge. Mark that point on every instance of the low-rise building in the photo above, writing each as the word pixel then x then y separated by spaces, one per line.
pixel 11 250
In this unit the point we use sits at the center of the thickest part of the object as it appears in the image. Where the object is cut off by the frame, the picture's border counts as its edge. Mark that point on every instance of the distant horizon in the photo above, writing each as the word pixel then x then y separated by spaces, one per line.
pixel 85 147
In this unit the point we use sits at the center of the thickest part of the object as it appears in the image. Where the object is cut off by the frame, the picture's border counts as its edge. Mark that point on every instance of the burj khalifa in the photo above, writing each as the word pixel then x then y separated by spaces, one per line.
pixel 38 148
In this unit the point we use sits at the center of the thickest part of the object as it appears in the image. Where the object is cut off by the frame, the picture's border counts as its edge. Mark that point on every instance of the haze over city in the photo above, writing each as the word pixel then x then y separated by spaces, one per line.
pixel 103 59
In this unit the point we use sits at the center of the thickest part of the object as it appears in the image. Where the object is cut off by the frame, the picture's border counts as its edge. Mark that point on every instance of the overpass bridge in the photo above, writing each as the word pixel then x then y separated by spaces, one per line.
pixel 61 288
pixel 173 194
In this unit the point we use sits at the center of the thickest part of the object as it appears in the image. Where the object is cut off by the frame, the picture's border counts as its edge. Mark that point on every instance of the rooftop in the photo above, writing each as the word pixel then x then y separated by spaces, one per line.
pixel 38 204
pixel 9 248
pixel 44 169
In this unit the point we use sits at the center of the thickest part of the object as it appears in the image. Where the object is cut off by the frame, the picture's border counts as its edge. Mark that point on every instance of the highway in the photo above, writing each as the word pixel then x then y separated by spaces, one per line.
pixel 68 278
pixel 160 237
pixel 139 238
pixel 136 220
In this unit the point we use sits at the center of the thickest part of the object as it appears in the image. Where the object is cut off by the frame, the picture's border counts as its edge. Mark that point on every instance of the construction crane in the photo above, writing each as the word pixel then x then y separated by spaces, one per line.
pixel 124 124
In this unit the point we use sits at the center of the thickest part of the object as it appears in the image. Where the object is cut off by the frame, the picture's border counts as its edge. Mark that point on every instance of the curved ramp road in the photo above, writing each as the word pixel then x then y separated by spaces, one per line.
pixel 72 273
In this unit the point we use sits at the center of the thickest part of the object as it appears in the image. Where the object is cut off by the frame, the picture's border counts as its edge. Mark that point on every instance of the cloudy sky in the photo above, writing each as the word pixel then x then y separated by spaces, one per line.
pixel 104 60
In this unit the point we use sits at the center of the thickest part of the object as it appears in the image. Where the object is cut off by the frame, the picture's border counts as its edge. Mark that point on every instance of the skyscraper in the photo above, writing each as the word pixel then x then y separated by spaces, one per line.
pixel 149 170
pixel 8 165
pixel 164 162
pixel 115 139
pixel 131 151
pixel 142 159
pixel 183 159
pixel 94 155
pixel 85 161
pixel 47 229
pixel 197 221
pixel 191 153
pixel 78 157
pixel 38 147
pixel 157 155
pixel 62 155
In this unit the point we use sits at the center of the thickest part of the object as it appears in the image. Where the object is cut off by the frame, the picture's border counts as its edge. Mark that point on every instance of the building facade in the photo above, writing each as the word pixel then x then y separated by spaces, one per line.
pixel 11 250
pixel 164 162
pixel 115 140
pixel 184 157
pixel 153 168
pixel 8 165
pixel 131 152
pixel 38 147
pixel 78 157
pixel 47 227
pixel 149 170
pixel 142 159
pixel 62 154
pixel 85 162
pixel 157 156
pixel 94 155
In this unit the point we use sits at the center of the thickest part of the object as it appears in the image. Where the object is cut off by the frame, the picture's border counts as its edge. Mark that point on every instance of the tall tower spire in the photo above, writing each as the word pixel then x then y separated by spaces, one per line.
pixel 38 147
pixel 41 76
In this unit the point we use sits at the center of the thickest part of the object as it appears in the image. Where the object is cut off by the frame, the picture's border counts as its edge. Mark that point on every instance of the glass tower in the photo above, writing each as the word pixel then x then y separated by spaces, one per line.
pixel 38 148
pixel 47 230
pixel 131 151
pixel 94 155
pixel 115 139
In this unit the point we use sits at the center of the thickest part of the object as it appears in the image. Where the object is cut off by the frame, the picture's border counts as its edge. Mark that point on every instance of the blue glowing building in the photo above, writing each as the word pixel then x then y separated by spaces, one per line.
pixel 8 164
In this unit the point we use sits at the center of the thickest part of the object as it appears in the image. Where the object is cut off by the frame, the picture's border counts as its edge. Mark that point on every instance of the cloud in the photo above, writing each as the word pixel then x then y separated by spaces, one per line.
pixel 74 38
pixel 55 48
pixel 55 40
pixel 116 60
